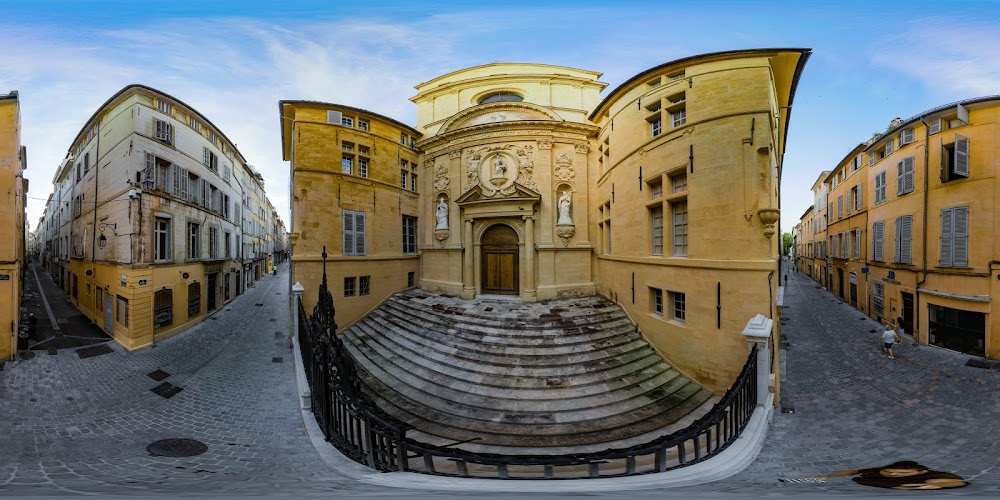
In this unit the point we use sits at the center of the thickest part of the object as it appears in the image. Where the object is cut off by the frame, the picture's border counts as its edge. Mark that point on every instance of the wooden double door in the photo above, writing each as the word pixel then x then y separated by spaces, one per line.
pixel 500 260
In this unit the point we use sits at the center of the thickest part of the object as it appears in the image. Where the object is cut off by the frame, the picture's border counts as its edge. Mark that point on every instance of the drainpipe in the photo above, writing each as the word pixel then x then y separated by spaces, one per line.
pixel 923 273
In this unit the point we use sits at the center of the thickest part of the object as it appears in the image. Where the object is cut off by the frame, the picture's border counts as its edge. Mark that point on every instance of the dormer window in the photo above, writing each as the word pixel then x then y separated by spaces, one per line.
pixel 500 97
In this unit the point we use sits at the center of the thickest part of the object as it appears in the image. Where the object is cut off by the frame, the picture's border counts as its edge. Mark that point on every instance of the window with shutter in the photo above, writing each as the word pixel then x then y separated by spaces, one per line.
pixel 359 233
pixel 961 156
pixel 878 233
pixel 857 243
pixel 147 173
pixel 845 243
pixel 334 117
pixel 934 126
pixel 960 235
pixel 903 246
pixel 946 237
pixel 840 207
pixel 857 196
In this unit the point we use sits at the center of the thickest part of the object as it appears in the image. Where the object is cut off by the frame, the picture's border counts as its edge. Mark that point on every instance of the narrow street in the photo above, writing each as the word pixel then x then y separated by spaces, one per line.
pixel 82 425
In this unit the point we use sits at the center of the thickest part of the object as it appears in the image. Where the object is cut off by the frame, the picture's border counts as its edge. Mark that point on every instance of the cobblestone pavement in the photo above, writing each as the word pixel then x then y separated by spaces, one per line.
pixel 81 426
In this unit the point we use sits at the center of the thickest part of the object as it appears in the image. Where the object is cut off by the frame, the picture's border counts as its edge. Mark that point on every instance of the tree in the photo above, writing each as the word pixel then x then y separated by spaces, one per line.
pixel 786 243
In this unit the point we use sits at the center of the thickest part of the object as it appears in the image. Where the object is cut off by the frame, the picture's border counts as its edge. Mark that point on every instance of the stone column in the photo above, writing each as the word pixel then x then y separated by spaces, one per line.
pixel 297 290
pixel 468 281
pixel 530 294
pixel 758 332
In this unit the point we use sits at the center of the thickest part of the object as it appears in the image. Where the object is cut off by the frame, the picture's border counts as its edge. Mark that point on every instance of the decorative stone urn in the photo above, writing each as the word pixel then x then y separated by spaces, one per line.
pixel 565 231
pixel 768 216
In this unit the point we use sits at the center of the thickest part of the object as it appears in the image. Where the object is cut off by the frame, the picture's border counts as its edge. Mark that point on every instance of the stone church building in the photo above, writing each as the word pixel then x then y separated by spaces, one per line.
pixel 522 181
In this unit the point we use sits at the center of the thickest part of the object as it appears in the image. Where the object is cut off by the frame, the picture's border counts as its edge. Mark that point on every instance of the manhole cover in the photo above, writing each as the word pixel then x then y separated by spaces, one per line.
pixel 158 375
pixel 166 390
pixel 176 447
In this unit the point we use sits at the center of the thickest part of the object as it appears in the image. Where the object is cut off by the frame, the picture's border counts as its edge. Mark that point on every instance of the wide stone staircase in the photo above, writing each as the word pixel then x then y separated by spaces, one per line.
pixel 493 376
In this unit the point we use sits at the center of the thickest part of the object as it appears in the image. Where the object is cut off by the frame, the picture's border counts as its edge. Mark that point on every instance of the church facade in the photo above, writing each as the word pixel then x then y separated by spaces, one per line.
pixel 521 181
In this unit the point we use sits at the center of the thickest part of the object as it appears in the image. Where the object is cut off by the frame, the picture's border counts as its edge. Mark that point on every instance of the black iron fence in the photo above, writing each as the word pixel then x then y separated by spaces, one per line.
pixel 353 422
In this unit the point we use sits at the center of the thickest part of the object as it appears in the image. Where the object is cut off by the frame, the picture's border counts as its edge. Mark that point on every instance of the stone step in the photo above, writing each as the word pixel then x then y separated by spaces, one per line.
pixel 488 383
pixel 616 334
pixel 502 336
pixel 512 399
pixel 515 323
pixel 505 357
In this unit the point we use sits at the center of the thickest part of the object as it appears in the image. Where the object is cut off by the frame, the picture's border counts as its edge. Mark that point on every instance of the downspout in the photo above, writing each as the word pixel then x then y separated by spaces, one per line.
pixel 97 178
pixel 923 271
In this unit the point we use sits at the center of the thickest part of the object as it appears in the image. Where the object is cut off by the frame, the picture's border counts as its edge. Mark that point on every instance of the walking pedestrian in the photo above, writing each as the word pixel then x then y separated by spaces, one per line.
pixel 899 329
pixel 888 338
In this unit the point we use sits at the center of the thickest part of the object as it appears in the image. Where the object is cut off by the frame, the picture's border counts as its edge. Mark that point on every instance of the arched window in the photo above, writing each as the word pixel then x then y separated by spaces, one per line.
pixel 501 97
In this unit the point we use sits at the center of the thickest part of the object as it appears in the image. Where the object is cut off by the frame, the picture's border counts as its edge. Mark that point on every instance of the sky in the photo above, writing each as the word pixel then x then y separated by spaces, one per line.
pixel 234 60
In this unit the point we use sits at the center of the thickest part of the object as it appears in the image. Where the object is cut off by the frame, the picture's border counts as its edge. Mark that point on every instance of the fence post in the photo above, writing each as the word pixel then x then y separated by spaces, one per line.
pixel 305 390
pixel 758 332
pixel 297 291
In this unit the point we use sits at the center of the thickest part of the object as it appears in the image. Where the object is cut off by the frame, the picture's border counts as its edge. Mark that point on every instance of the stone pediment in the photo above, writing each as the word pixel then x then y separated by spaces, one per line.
pixel 498 112
pixel 476 195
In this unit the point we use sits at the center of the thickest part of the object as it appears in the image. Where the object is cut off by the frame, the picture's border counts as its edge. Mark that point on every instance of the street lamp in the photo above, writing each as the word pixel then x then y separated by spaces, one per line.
pixel 103 240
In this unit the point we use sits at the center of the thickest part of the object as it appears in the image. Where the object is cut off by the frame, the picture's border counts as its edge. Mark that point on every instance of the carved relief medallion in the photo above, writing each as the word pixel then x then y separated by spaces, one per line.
pixel 564 168
pixel 497 168
pixel 441 179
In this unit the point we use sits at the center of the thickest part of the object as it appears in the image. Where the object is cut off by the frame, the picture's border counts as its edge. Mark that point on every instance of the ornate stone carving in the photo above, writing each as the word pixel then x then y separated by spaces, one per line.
pixel 564 168
pixel 455 153
pixel 544 144
pixel 582 148
pixel 441 234
pixel 441 179
pixel 565 200
pixel 768 216
pixel 441 214
pixel 497 168
pixel 565 232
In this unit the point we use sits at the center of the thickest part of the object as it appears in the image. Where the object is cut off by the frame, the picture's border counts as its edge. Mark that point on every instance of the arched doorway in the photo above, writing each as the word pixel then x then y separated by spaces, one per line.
pixel 500 260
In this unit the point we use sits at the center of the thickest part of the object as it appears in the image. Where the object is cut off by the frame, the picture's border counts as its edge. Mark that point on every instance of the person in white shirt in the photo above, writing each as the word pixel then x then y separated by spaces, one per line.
pixel 888 338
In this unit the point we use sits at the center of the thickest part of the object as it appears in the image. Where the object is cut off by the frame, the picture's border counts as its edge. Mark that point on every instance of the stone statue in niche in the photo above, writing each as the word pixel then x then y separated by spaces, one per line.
pixel 442 214
pixel 500 170
pixel 564 203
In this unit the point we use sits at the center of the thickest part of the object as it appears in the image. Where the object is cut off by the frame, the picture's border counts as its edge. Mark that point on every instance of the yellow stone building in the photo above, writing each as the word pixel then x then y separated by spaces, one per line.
pixel 156 219
pixel 916 191
pixel 814 222
pixel 13 185
pixel 662 196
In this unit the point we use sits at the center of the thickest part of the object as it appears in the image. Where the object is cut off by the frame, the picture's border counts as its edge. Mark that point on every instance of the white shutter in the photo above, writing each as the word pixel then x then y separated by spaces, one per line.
pixel 946 239
pixel 878 239
pixel 878 183
pixel 963 114
pixel 857 244
pixel 934 127
pixel 961 155
pixel 205 194
pixel 899 179
pixel 859 192
pixel 904 226
pixel 845 243
pixel 178 191
pixel 898 239
pixel 961 236
pixel 334 117
pixel 871 159
pixel 359 233
pixel 205 156
pixel 348 232
pixel 908 175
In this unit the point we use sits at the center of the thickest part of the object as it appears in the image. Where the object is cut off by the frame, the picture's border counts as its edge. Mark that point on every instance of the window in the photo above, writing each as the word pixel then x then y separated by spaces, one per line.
pixel 210 159
pixel 678 118
pixel 905 137
pixel 163 308
pixel 164 131
pixel 194 240
pixel 402 139
pixel 680 228
pixel 878 234
pixel 363 167
pixel 354 232
pixel 402 178
pixel 675 76
pixel 880 187
pixel 857 244
pixel 857 196
pixel 657 301
pixel 501 97
pixel 121 312
pixel 904 176
pixel 194 299
pixel 409 235
pixel 363 124
pixel 347 165
pixel 904 237
pixel 213 242
pixel 678 183
pixel 655 127
pixel 194 124
pixel 878 297
pixel 213 138
pixel 227 238
pixel 677 302
pixel 410 279
pixel 162 248
pixel 955 237
pixel 934 127
pixel 656 189
pixel 74 287
pixel 840 207
pixel 349 287
pixel 348 146
pixel 871 159
pixel 888 148
pixel 413 182
pixel 164 107
pixel 364 285
pixel 86 162
pixel 347 121
pixel 77 206
pixel 845 244
pixel 656 216
pixel 955 159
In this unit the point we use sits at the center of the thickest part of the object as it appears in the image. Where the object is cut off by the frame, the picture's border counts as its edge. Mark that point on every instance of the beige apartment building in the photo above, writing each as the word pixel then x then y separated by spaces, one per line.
pixel 814 261
pixel 520 180
pixel 13 185
pixel 148 226
pixel 914 193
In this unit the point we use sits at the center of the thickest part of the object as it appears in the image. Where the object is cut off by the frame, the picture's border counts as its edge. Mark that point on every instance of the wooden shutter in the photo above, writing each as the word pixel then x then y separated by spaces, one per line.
pixel 961 236
pixel 905 224
pixel 908 175
pixel 348 232
pixel 961 155
pixel 857 244
pixel 857 196
pixel 946 239
pixel 935 126
pixel 878 182
pixel 898 239
pixel 899 178
pixel 878 239
pixel 359 233
pixel 178 191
